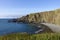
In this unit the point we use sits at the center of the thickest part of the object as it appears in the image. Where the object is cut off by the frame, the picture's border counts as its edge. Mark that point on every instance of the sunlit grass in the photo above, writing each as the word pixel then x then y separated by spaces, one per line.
pixel 19 36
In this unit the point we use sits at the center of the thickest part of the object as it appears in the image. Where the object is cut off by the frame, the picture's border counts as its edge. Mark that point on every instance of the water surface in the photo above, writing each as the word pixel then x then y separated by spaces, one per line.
pixel 6 27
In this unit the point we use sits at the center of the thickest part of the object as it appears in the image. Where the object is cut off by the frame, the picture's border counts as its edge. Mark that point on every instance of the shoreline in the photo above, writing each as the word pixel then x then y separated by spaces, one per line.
pixel 42 28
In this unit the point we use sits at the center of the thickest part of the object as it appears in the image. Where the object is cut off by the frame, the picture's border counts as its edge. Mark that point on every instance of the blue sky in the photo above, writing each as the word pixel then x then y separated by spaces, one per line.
pixel 18 8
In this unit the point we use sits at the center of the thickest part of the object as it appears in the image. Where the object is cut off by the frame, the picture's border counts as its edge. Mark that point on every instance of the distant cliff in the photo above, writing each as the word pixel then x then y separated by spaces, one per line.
pixel 42 17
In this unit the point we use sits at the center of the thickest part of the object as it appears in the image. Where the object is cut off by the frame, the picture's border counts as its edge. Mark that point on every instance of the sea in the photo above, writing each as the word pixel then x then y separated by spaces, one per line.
pixel 11 27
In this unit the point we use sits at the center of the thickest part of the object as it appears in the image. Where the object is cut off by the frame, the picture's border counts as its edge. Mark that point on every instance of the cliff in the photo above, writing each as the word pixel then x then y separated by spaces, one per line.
pixel 42 17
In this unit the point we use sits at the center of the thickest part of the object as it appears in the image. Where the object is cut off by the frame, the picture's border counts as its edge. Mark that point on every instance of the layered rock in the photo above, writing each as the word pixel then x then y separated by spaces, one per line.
pixel 42 17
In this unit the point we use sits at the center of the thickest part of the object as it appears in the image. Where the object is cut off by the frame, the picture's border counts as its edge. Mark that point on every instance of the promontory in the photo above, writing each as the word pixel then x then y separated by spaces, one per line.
pixel 52 16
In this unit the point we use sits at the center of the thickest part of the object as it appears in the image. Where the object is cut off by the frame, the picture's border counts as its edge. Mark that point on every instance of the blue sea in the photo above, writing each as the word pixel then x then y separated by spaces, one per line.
pixel 10 27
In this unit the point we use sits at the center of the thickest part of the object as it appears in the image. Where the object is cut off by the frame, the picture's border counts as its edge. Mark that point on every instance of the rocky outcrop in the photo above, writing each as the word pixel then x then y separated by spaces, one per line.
pixel 12 20
pixel 42 17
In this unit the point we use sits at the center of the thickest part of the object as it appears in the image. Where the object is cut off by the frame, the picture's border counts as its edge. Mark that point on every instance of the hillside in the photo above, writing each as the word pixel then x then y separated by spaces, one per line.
pixel 41 17
pixel 18 36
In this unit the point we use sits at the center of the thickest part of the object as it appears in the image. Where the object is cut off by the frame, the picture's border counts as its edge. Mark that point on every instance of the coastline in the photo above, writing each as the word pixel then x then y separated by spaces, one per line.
pixel 41 28
pixel 44 29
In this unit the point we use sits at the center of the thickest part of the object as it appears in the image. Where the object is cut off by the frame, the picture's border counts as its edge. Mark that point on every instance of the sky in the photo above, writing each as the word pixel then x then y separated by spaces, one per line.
pixel 18 8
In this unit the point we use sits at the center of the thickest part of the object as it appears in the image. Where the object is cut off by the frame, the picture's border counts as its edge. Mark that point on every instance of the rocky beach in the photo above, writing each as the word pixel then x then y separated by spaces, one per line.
pixel 50 17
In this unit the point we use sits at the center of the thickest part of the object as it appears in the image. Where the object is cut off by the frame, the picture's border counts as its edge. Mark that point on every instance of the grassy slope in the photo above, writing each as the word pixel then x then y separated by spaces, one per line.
pixel 19 36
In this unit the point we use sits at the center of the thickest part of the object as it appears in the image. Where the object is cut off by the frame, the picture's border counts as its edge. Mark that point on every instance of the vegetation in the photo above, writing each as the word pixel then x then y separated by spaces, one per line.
pixel 19 36
pixel 52 16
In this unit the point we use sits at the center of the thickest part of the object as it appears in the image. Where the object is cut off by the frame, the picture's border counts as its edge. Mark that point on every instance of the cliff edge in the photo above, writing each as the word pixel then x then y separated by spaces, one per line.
pixel 42 17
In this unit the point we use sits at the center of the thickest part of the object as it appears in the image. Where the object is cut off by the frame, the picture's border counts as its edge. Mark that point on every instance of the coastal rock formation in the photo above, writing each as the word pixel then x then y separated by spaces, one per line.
pixel 42 17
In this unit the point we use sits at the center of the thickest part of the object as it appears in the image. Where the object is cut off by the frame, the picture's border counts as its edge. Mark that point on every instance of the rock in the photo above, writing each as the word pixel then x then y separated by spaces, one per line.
pixel 12 20
pixel 42 17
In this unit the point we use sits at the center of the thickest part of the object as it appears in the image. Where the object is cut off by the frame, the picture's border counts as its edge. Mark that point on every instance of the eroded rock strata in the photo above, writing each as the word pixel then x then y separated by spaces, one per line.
pixel 42 17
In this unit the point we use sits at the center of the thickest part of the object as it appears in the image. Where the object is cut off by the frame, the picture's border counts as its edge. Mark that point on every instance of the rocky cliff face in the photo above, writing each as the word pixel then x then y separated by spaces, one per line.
pixel 42 17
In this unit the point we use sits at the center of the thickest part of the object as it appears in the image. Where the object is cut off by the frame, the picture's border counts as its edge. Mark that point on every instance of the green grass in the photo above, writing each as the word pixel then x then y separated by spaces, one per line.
pixel 19 36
